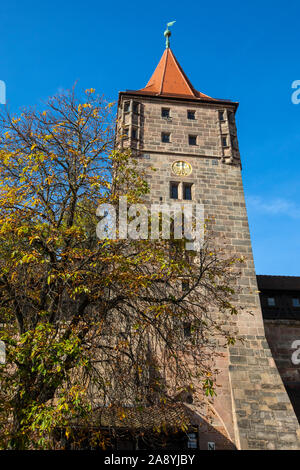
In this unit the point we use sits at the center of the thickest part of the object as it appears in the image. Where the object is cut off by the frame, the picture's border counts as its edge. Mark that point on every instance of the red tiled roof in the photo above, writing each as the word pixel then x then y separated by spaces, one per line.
pixel 147 417
pixel 169 79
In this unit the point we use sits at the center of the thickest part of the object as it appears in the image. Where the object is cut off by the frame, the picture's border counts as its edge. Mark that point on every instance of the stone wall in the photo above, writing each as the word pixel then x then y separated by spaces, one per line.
pixel 264 415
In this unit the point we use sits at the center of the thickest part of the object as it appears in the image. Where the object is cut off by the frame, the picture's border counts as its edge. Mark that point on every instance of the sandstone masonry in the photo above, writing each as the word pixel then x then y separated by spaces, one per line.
pixel 253 410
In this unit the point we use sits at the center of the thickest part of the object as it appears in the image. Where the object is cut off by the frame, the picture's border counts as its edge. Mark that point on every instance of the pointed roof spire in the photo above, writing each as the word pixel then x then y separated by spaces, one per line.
pixel 170 80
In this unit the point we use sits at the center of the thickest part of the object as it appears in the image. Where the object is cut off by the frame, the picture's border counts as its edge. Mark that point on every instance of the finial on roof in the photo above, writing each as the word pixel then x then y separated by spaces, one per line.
pixel 167 34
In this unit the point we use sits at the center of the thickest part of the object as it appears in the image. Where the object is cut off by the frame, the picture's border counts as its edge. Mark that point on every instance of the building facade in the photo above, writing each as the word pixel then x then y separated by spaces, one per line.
pixel 280 303
pixel 191 140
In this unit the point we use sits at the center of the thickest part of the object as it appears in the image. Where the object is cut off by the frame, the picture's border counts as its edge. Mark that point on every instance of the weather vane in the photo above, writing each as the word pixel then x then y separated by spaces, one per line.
pixel 167 34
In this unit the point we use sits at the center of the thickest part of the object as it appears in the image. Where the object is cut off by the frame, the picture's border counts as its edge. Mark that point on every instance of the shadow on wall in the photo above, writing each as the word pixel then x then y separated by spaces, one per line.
pixel 280 335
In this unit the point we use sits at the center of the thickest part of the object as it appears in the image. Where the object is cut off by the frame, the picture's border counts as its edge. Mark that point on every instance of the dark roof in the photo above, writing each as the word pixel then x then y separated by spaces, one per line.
pixel 290 283
pixel 147 417
pixel 177 97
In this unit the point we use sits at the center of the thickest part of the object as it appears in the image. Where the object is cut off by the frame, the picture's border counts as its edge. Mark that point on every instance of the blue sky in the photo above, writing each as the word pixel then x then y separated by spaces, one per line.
pixel 244 51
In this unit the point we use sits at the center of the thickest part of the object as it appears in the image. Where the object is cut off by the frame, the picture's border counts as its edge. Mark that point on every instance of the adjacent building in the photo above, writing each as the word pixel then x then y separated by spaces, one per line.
pixel 280 303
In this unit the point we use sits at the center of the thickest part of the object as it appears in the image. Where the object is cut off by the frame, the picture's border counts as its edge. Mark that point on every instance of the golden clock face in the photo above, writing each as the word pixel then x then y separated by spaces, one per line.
pixel 181 168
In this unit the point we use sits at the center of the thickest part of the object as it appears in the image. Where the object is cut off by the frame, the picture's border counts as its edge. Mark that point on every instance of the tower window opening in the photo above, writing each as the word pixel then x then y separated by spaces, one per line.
pixel 271 301
pixel 192 140
pixel 296 302
pixel 187 329
pixel 125 132
pixel 189 399
pixel 187 191
pixel 185 285
pixel 191 115
pixel 224 141
pixel 221 116
pixel 134 133
pixel 126 106
pixel 165 112
pixel 165 137
pixel 135 107
pixel 192 441
pixel 174 190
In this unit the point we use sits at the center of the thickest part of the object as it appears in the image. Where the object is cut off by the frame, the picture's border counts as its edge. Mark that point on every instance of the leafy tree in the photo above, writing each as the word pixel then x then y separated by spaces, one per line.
pixel 90 322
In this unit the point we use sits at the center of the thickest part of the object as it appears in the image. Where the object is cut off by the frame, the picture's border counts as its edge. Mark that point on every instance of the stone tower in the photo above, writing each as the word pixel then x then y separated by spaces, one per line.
pixel 170 121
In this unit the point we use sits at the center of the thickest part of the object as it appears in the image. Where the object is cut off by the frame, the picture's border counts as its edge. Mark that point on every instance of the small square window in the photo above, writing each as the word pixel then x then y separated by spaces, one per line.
pixel 187 191
pixel 296 302
pixel 125 132
pixel 185 286
pixel 133 133
pixel 135 107
pixel 189 399
pixel 191 115
pixel 165 112
pixel 221 116
pixel 192 140
pixel 215 162
pixel 165 137
pixel 224 141
pixel 174 190
pixel 271 302
pixel 192 441
pixel 187 330
pixel 126 106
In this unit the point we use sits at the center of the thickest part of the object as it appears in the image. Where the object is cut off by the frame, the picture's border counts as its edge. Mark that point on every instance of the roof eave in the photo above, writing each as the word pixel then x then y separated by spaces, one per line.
pixel 218 101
